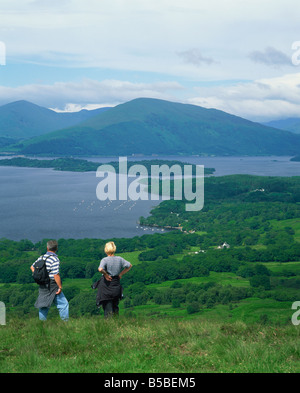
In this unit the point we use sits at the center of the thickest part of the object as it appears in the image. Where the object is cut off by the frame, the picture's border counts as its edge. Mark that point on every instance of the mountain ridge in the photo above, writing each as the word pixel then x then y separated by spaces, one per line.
pixel 23 119
pixel 290 124
pixel 151 126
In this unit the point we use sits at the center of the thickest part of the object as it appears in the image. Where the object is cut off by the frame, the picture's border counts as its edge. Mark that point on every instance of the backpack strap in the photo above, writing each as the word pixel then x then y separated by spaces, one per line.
pixel 48 285
pixel 44 260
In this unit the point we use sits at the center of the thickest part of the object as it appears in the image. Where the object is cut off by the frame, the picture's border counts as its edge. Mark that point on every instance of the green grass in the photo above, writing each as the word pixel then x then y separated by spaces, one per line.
pixel 131 257
pixel 221 278
pixel 127 345
pixel 279 267
pixel 84 284
pixel 293 223
pixel 250 311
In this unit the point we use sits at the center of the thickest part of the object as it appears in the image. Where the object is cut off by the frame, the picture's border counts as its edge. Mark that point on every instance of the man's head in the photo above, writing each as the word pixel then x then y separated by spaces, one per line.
pixel 52 245
pixel 110 248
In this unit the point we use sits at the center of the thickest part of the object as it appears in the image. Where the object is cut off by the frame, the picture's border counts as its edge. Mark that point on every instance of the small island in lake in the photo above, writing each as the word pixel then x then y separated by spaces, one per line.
pixel 296 158
pixel 79 165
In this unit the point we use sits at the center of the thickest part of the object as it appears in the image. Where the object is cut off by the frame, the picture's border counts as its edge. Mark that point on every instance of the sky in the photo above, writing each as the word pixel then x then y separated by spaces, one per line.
pixel 242 57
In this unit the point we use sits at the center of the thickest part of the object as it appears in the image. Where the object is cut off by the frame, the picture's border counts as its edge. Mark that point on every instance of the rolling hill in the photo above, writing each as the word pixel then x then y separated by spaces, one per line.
pixel 22 119
pixel 151 126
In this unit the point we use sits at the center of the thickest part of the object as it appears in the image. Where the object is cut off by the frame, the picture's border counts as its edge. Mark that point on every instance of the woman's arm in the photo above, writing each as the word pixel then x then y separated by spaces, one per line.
pixel 125 271
pixel 105 274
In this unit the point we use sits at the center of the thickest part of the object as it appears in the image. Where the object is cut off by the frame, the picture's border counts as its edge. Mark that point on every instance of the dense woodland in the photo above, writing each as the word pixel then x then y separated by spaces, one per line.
pixel 255 217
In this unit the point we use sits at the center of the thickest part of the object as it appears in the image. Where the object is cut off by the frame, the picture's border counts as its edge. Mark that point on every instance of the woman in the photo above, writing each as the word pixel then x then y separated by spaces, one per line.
pixel 110 291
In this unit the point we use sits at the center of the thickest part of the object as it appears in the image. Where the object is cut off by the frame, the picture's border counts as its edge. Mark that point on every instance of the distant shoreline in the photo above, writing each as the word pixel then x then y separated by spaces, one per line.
pixel 80 165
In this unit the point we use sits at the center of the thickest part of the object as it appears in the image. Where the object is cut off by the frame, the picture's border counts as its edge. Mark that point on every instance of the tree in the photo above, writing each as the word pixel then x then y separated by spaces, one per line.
pixel 260 281
pixel 84 304
pixel 193 307
pixel 8 273
pixel 158 298
pixel 24 275
pixel 127 302
pixel 175 303
pixel 139 300
pixel 261 270
pixel 246 271
pixel 90 269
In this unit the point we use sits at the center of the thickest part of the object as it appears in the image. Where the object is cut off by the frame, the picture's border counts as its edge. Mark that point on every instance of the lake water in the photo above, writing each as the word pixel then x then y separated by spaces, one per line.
pixel 42 203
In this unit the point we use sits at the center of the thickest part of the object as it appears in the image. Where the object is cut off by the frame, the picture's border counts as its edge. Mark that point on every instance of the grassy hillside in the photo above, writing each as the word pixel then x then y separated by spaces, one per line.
pixel 126 345
pixel 150 126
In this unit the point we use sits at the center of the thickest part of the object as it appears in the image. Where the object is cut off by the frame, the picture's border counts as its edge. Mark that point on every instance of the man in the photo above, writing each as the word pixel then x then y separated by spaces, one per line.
pixel 51 293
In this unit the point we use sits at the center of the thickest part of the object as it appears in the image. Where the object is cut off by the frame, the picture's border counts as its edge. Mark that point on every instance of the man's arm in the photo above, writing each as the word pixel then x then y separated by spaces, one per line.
pixel 32 266
pixel 58 282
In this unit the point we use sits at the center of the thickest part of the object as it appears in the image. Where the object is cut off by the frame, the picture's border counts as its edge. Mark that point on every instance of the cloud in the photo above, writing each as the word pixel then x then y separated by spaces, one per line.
pixel 113 44
pixel 195 57
pixel 271 57
pixel 261 100
pixel 159 36
pixel 87 93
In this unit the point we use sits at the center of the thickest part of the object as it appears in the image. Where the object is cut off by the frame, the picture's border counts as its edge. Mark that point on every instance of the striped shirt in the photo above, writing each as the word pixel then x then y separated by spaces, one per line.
pixel 52 263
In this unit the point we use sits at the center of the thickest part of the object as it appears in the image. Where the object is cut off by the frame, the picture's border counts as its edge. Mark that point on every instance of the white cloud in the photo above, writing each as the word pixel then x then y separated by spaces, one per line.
pixel 88 93
pixel 260 100
pixel 191 42
pixel 148 35
pixel 77 107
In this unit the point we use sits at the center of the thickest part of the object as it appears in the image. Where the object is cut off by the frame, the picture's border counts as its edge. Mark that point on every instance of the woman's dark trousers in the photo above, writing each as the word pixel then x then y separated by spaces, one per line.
pixel 111 308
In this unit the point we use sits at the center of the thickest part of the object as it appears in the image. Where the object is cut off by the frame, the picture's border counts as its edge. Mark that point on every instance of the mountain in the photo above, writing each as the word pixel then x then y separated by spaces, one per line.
pixel 22 119
pixel 6 141
pixel 291 124
pixel 150 126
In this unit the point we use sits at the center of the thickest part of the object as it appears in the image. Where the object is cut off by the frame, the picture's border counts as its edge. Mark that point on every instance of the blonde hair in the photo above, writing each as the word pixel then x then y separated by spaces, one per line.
pixel 110 248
